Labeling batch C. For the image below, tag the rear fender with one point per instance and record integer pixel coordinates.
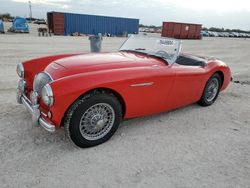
(219, 66)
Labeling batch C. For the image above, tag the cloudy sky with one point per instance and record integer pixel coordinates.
(233, 14)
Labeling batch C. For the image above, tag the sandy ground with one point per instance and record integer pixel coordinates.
(188, 147)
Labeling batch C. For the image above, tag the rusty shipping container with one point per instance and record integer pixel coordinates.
(181, 30)
(56, 22)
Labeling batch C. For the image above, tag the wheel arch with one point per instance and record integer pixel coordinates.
(100, 90)
(111, 92)
(221, 74)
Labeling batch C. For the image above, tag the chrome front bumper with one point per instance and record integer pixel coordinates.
(36, 113)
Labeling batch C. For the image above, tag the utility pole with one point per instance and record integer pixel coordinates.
(30, 10)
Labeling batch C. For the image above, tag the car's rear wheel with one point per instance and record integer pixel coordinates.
(93, 119)
(211, 90)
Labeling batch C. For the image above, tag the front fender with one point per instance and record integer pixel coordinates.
(67, 90)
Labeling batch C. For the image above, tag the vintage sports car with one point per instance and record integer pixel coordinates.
(90, 94)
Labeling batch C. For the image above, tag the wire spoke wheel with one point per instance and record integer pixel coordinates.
(212, 89)
(93, 119)
(97, 121)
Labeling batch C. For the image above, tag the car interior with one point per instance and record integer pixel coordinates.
(190, 61)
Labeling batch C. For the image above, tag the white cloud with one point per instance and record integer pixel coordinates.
(217, 5)
(59, 3)
(219, 13)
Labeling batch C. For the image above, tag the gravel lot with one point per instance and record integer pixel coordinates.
(188, 147)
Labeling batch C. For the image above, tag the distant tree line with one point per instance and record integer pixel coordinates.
(224, 30)
(150, 26)
(204, 28)
(6, 16)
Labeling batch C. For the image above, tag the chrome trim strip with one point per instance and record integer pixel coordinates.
(27, 103)
(54, 67)
(156, 66)
(22, 84)
(21, 69)
(47, 126)
(33, 98)
(44, 114)
(142, 84)
(178, 53)
(48, 75)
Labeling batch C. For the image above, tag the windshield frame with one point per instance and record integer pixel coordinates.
(141, 49)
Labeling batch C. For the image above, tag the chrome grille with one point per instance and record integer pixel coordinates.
(41, 79)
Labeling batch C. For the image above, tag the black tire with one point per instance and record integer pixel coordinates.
(80, 107)
(204, 101)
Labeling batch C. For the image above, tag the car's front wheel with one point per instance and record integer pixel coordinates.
(93, 119)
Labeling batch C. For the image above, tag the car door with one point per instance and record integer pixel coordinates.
(148, 94)
(188, 85)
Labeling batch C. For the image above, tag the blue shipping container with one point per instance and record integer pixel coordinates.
(91, 24)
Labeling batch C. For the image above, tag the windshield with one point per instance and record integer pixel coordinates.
(165, 48)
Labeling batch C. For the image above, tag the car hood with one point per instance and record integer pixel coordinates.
(99, 62)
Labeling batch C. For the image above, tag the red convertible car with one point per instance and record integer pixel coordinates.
(90, 94)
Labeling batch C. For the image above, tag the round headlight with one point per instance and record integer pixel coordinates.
(40, 80)
(47, 95)
(20, 70)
